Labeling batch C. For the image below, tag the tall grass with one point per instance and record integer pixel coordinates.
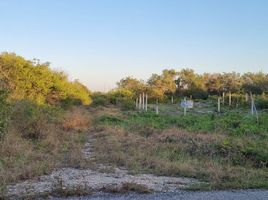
(40, 139)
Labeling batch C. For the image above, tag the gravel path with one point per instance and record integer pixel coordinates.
(182, 195)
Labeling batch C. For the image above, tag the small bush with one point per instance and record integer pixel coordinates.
(100, 99)
(69, 102)
(127, 105)
(31, 120)
(4, 112)
(262, 102)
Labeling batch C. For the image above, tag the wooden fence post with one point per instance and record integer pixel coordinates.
(156, 107)
(140, 103)
(252, 104)
(143, 101)
(219, 104)
(146, 101)
(230, 98)
(184, 109)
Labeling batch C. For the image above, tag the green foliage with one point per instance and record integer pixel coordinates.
(187, 82)
(4, 112)
(134, 85)
(100, 99)
(229, 123)
(123, 98)
(120, 94)
(37, 82)
(30, 119)
(262, 102)
(127, 105)
(110, 119)
(161, 85)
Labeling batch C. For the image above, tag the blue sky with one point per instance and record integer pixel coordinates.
(101, 41)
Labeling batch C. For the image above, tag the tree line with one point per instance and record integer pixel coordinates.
(37, 82)
(187, 82)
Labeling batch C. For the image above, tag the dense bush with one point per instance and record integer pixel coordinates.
(38, 83)
(127, 105)
(119, 95)
(262, 102)
(100, 99)
(4, 112)
(31, 121)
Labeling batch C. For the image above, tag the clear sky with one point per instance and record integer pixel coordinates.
(101, 41)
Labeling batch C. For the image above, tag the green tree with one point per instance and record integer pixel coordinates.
(132, 84)
(213, 83)
(191, 84)
(37, 82)
(256, 83)
(231, 82)
(4, 112)
(160, 86)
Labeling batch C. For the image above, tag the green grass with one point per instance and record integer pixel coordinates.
(228, 123)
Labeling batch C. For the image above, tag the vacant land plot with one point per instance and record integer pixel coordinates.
(227, 150)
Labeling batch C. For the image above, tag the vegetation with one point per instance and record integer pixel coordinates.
(43, 123)
(226, 150)
(44, 118)
(4, 112)
(41, 139)
(38, 83)
(198, 86)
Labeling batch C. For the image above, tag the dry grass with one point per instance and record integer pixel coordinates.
(77, 118)
(105, 110)
(22, 158)
(174, 152)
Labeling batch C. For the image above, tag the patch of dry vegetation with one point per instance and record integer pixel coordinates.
(77, 118)
(38, 142)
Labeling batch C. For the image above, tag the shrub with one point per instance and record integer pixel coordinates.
(38, 83)
(262, 102)
(31, 120)
(120, 95)
(4, 112)
(127, 105)
(100, 99)
(69, 102)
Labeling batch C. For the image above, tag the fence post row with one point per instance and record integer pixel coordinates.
(142, 102)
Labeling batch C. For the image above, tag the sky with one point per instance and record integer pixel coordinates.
(100, 42)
